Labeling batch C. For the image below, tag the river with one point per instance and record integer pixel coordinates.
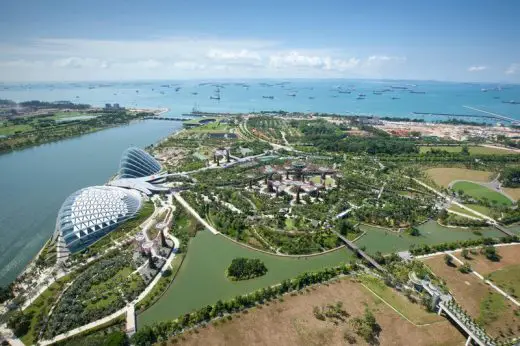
(34, 183)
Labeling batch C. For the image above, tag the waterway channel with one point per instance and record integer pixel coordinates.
(34, 182)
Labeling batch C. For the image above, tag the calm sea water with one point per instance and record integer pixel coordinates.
(311, 95)
(34, 182)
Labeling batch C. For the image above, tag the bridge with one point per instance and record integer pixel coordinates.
(504, 230)
(445, 303)
(360, 252)
(166, 118)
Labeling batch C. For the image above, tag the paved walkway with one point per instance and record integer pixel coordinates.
(194, 213)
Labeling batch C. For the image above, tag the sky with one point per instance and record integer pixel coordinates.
(73, 40)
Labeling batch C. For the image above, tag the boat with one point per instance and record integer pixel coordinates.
(377, 93)
(512, 102)
(417, 92)
(395, 98)
(360, 98)
(194, 93)
(177, 89)
(311, 97)
(291, 94)
(268, 97)
(344, 91)
(362, 95)
(398, 87)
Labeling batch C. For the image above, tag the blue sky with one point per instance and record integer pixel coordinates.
(462, 40)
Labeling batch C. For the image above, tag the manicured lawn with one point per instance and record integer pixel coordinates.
(479, 208)
(202, 278)
(474, 150)
(443, 176)
(377, 239)
(479, 192)
(508, 279)
(12, 129)
(413, 312)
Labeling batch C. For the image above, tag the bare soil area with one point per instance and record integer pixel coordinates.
(444, 176)
(496, 313)
(479, 263)
(292, 322)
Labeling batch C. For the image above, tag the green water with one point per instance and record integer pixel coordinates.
(377, 239)
(202, 279)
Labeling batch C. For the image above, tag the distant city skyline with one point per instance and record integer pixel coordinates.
(58, 40)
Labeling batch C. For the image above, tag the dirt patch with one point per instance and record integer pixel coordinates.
(513, 193)
(444, 176)
(510, 255)
(495, 312)
(292, 322)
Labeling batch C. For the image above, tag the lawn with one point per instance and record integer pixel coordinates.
(508, 278)
(479, 208)
(202, 278)
(473, 150)
(443, 176)
(377, 239)
(480, 192)
(11, 129)
(414, 312)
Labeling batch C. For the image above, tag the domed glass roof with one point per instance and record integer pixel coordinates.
(137, 163)
(92, 212)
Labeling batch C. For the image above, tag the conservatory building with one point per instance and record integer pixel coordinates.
(92, 212)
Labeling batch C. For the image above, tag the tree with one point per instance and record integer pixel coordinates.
(163, 239)
(465, 253)
(19, 323)
(465, 150)
(415, 232)
(465, 268)
(491, 253)
(448, 260)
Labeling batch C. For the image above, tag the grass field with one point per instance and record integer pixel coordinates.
(479, 192)
(508, 279)
(473, 150)
(443, 176)
(414, 312)
(496, 313)
(377, 239)
(292, 322)
(480, 208)
(202, 278)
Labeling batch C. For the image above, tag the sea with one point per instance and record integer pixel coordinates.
(34, 182)
(390, 98)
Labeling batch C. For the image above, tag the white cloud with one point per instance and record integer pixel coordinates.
(513, 68)
(180, 57)
(243, 54)
(476, 68)
(298, 60)
(382, 58)
(75, 62)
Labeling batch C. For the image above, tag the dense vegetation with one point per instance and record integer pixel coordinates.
(246, 268)
(44, 129)
(510, 177)
(98, 291)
